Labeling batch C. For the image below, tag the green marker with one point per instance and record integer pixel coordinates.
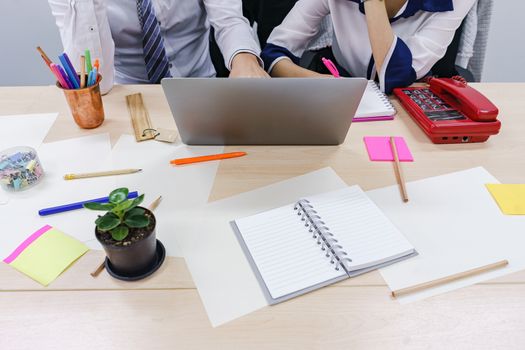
(89, 67)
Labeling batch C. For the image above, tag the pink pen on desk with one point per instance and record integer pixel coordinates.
(331, 67)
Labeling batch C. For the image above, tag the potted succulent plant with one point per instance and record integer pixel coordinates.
(127, 234)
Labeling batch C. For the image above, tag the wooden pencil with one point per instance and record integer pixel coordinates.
(82, 71)
(450, 278)
(99, 269)
(398, 170)
(101, 173)
(44, 56)
(155, 204)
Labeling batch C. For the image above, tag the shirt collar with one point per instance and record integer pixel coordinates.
(413, 6)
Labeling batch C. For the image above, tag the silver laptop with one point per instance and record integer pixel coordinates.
(302, 111)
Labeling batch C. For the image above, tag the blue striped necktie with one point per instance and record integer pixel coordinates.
(157, 65)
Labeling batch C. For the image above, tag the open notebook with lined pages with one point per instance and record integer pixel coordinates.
(318, 241)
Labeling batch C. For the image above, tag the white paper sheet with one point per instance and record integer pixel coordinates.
(23, 130)
(181, 187)
(20, 216)
(226, 283)
(455, 225)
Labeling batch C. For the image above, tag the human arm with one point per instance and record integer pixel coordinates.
(289, 40)
(235, 38)
(247, 65)
(400, 62)
(83, 24)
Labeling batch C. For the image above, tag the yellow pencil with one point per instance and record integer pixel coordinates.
(101, 173)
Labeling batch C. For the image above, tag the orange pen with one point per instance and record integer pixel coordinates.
(97, 64)
(191, 160)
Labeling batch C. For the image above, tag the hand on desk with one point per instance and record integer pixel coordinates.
(246, 65)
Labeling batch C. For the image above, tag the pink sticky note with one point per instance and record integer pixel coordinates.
(379, 149)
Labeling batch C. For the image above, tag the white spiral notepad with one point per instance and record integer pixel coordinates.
(318, 241)
(374, 105)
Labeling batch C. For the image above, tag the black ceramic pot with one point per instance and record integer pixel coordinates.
(135, 258)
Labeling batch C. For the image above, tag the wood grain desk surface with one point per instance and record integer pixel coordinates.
(165, 311)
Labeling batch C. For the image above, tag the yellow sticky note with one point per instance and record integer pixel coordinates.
(510, 198)
(46, 254)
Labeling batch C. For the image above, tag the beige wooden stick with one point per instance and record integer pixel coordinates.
(450, 278)
(82, 72)
(399, 172)
(101, 267)
(101, 173)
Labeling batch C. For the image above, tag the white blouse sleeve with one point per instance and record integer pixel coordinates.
(232, 30)
(413, 58)
(291, 38)
(83, 24)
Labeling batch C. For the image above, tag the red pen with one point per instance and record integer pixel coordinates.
(331, 67)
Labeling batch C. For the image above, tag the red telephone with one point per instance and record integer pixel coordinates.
(450, 111)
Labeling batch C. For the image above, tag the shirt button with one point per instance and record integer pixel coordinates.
(171, 65)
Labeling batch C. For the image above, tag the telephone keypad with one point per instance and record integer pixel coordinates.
(434, 107)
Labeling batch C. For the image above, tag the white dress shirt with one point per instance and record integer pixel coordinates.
(423, 30)
(110, 29)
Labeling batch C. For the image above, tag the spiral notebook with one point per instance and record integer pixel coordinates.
(374, 105)
(318, 241)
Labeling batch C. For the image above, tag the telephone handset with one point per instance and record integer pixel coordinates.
(450, 111)
(466, 99)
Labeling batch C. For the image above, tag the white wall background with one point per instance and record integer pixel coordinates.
(505, 57)
(25, 24)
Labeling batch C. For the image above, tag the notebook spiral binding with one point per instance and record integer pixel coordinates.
(322, 234)
(384, 98)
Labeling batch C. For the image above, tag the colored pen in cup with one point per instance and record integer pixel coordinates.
(331, 67)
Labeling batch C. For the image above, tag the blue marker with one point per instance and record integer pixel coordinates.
(90, 77)
(70, 70)
(79, 205)
(95, 76)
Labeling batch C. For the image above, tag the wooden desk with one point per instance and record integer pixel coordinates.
(165, 312)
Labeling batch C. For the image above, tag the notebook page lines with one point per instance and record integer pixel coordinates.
(285, 253)
(365, 233)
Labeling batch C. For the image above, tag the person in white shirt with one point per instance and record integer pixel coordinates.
(393, 41)
(142, 41)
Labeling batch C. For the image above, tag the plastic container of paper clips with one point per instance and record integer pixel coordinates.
(20, 169)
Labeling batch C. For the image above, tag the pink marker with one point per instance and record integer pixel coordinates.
(57, 74)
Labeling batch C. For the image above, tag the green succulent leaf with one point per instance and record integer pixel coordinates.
(101, 216)
(119, 233)
(119, 195)
(122, 207)
(99, 206)
(136, 201)
(137, 221)
(107, 222)
(135, 211)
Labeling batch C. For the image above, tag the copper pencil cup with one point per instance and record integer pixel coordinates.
(85, 105)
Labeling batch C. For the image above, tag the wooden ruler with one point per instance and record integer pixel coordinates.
(140, 118)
